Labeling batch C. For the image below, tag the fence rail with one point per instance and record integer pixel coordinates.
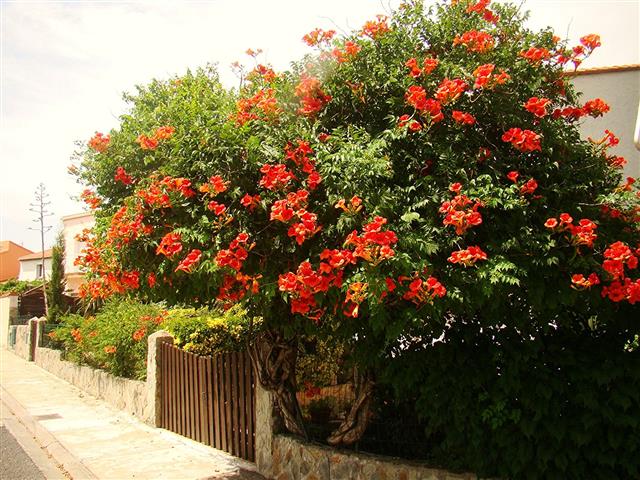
(209, 399)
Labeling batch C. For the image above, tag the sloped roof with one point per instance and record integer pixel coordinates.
(613, 68)
(36, 255)
(6, 244)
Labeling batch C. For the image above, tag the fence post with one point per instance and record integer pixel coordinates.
(265, 427)
(33, 338)
(154, 394)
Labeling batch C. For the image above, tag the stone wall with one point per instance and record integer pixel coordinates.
(8, 311)
(283, 457)
(23, 341)
(122, 393)
(297, 460)
(137, 398)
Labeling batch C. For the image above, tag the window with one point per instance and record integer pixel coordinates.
(39, 270)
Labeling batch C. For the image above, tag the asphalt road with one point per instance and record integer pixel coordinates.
(15, 464)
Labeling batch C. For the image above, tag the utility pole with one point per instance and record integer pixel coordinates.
(39, 207)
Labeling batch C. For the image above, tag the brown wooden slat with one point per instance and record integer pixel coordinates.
(250, 390)
(234, 404)
(186, 410)
(215, 400)
(230, 404)
(226, 386)
(222, 423)
(164, 384)
(192, 398)
(209, 382)
(198, 399)
(204, 414)
(195, 421)
(170, 385)
(175, 393)
(242, 407)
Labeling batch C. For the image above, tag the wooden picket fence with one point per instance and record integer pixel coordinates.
(209, 399)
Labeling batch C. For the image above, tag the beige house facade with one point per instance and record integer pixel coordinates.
(72, 226)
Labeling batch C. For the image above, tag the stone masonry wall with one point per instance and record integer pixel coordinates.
(296, 460)
(128, 395)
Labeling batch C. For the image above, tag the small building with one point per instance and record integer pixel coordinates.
(72, 226)
(31, 266)
(10, 254)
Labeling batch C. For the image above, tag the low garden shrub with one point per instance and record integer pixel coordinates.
(115, 339)
(207, 331)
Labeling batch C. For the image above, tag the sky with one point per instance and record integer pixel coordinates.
(65, 64)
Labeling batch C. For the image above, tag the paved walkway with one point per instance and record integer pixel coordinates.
(90, 439)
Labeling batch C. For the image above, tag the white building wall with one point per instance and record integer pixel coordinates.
(29, 269)
(621, 90)
(73, 225)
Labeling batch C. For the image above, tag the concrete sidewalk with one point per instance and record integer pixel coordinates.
(89, 439)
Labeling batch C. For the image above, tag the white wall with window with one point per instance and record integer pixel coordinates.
(31, 269)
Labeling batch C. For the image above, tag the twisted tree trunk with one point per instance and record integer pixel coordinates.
(274, 360)
(355, 423)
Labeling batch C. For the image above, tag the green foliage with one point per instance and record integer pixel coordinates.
(209, 332)
(115, 339)
(561, 404)
(16, 287)
(56, 284)
(320, 362)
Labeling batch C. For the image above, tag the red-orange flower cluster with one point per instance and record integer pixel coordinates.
(349, 51)
(475, 41)
(480, 7)
(250, 202)
(100, 142)
(416, 96)
(263, 104)
(450, 90)
(318, 36)
(535, 55)
(484, 77)
(122, 176)
(579, 282)
(581, 234)
(236, 254)
(468, 256)
(374, 245)
(424, 291)
(275, 177)
(152, 142)
(463, 118)
(537, 106)
(523, 140)
(90, 198)
(187, 263)
(374, 28)
(312, 97)
(235, 287)
(170, 245)
(461, 213)
(428, 65)
(355, 205)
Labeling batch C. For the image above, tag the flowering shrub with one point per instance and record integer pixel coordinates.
(209, 332)
(447, 140)
(115, 339)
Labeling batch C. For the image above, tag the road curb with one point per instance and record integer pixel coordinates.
(49, 442)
